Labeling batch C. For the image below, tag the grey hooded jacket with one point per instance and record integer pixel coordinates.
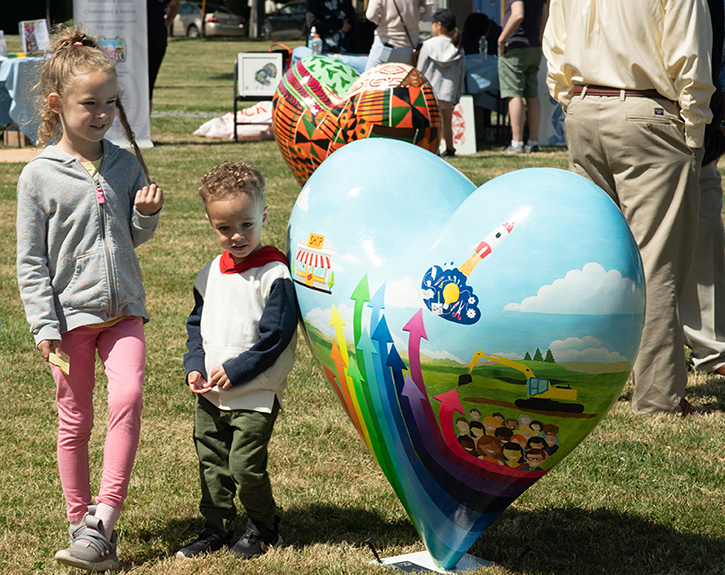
(444, 66)
(76, 260)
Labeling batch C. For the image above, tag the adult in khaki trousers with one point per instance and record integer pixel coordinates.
(636, 101)
(702, 305)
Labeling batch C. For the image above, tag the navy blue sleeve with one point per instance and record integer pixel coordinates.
(194, 358)
(277, 326)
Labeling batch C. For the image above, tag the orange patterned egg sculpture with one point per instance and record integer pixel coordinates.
(322, 104)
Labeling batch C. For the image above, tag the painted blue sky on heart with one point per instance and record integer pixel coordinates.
(566, 278)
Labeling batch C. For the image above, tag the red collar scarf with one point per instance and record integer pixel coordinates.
(256, 260)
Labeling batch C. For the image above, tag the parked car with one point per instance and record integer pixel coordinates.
(289, 20)
(218, 21)
(188, 21)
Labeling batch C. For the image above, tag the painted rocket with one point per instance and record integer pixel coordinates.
(486, 247)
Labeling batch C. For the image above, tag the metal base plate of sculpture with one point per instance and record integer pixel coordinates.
(473, 336)
(322, 104)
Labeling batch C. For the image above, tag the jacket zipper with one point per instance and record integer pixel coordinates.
(109, 262)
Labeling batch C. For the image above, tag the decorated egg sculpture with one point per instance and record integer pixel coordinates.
(473, 336)
(322, 104)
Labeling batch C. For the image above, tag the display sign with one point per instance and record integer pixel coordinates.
(121, 27)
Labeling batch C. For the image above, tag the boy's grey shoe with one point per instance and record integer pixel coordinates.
(257, 540)
(91, 549)
(531, 149)
(208, 540)
(512, 151)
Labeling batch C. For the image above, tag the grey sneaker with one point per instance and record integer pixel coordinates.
(91, 549)
(511, 151)
(74, 533)
(208, 540)
(531, 149)
(257, 541)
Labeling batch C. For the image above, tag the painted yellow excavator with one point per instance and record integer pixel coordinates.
(542, 395)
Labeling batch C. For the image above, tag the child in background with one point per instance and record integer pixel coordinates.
(442, 62)
(242, 336)
(82, 209)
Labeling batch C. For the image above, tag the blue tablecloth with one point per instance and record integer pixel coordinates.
(355, 61)
(17, 98)
(482, 80)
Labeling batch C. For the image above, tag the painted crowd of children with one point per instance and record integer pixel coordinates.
(522, 443)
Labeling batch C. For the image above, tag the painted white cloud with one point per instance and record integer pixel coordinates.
(512, 355)
(439, 355)
(583, 349)
(368, 247)
(402, 293)
(320, 318)
(589, 291)
(303, 200)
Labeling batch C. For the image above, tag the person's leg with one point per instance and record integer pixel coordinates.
(122, 349)
(511, 87)
(645, 166)
(702, 305)
(375, 56)
(517, 114)
(402, 55)
(657, 182)
(248, 463)
(446, 109)
(533, 115)
(74, 396)
(154, 64)
(531, 62)
(213, 439)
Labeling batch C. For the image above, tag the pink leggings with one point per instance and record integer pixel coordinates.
(122, 349)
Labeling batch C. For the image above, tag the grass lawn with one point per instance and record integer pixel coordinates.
(638, 496)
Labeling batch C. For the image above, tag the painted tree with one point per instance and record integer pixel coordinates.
(538, 356)
(527, 357)
(549, 357)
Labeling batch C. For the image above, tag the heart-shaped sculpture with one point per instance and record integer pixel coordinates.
(473, 336)
(322, 104)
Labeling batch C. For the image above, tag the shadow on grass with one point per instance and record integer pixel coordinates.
(549, 541)
(577, 541)
(301, 526)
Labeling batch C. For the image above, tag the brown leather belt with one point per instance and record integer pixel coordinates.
(606, 91)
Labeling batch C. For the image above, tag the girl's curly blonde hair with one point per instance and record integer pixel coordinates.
(72, 54)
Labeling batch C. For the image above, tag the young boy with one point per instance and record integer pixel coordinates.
(242, 336)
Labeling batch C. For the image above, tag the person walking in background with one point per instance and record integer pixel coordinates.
(159, 16)
(476, 27)
(702, 312)
(80, 281)
(636, 102)
(242, 337)
(519, 57)
(333, 20)
(442, 62)
(396, 34)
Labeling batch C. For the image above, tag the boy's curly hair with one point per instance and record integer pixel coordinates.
(231, 179)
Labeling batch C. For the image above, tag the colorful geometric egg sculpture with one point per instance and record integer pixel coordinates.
(322, 104)
(473, 336)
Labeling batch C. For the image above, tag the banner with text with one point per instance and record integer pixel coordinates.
(120, 25)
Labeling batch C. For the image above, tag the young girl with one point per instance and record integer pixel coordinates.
(442, 62)
(82, 209)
